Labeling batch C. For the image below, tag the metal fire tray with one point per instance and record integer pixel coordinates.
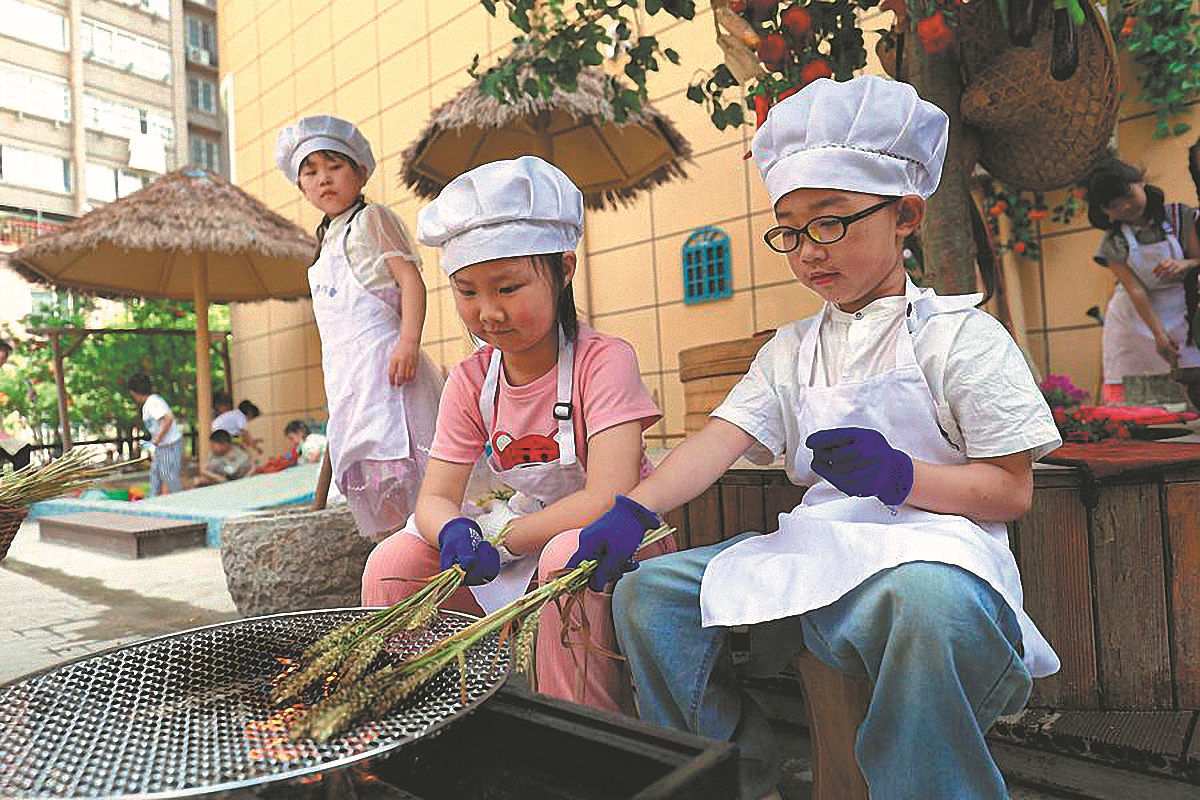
(190, 713)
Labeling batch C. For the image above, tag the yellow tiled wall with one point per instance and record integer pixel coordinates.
(386, 64)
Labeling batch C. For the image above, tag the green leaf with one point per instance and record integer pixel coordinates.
(653, 6)
(695, 93)
(1181, 128)
(490, 6)
(671, 55)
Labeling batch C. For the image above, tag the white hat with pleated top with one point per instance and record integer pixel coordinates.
(504, 209)
(870, 135)
(310, 134)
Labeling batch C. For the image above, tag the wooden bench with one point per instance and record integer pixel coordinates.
(124, 535)
(837, 705)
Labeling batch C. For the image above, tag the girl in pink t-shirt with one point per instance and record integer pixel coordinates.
(547, 406)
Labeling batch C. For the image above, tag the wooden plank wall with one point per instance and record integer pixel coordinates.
(1181, 513)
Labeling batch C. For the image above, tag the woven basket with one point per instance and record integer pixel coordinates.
(10, 523)
(1038, 133)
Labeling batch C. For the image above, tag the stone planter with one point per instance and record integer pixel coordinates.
(294, 560)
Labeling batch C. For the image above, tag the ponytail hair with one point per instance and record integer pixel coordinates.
(564, 295)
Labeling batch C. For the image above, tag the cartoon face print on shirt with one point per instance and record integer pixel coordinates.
(531, 448)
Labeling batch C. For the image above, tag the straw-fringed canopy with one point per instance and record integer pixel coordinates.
(150, 243)
(611, 163)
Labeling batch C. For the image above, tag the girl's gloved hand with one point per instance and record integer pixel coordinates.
(612, 540)
(861, 463)
(462, 543)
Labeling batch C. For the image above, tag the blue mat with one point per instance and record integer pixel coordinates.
(212, 505)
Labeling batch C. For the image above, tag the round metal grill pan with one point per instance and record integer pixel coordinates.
(190, 713)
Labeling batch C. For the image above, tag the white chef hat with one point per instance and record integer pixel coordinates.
(311, 134)
(522, 207)
(869, 135)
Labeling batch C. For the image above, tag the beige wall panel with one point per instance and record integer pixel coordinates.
(403, 73)
(400, 25)
(609, 229)
(715, 191)
(640, 329)
(251, 319)
(276, 65)
(1077, 353)
(314, 392)
(253, 359)
(451, 324)
(1073, 281)
(314, 33)
(622, 279)
(279, 105)
(350, 15)
(447, 87)
(287, 350)
(275, 25)
(655, 433)
(358, 100)
(452, 47)
(247, 85)
(314, 78)
(689, 326)
(776, 306)
(1031, 292)
(1164, 160)
(696, 44)
(401, 123)
(355, 54)
(286, 397)
(236, 15)
(693, 123)
(672, 404)
(312, 340)
(443, 11)
(285, 314)
(256, 388)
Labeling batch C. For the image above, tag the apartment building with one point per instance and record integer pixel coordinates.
(97, 97)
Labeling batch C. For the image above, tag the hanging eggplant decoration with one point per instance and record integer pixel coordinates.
(1064, 55)
(1022, 21)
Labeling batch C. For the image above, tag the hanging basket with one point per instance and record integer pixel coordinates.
(10, 523)
(1038, 133)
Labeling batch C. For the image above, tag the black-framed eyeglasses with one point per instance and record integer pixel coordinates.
(825, 229)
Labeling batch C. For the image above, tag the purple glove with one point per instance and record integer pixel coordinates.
(462, 543)
(861, 463)
(612, 540)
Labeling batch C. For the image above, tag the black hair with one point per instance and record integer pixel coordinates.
(249, 409)
(5, 346)
(223, 399)
(296, 426)
(1194, 166)
(564, 295)
(358, 205)
(140, 384)
(1111, 181)
(220, 437)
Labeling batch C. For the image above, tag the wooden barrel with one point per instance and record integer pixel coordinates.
(709, 371)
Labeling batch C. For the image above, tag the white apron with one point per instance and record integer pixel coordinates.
(831, 543)
(537, 484)
(1128, 343)
(358, 331)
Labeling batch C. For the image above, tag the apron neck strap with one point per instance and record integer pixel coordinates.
(564, 409)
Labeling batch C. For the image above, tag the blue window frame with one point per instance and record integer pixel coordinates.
(706, 266)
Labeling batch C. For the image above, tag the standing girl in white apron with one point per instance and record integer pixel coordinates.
(369, 301)
(1149, 246)
(914, 420)
(556, 410)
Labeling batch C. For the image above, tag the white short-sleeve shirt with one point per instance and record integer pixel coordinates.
(232, 422)
(988, 404)
(376, 235)
(154, 411)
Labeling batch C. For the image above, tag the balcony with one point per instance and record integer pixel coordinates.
(18, 230)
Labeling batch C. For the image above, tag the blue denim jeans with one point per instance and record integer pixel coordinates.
(941, 647)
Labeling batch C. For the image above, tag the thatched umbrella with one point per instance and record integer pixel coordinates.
(610, 162)
(190, 235)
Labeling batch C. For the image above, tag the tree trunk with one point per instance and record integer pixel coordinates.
(946, 233)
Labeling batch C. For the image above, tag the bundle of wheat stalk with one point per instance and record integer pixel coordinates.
(375, 694)
(349, 650)
(74, 470)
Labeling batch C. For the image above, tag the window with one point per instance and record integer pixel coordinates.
(201, 41)
(35, 169)
(130, 182)
(160, 8)
(126, 51)
(118, 119)
(206, 154)
(706, 266)
(34, 93)
(202, 95)
(101, 183)
(33, 23)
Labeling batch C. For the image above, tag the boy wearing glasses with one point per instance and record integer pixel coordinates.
(913, 418)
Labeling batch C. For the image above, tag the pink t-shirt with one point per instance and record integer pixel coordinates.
(607, 391)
